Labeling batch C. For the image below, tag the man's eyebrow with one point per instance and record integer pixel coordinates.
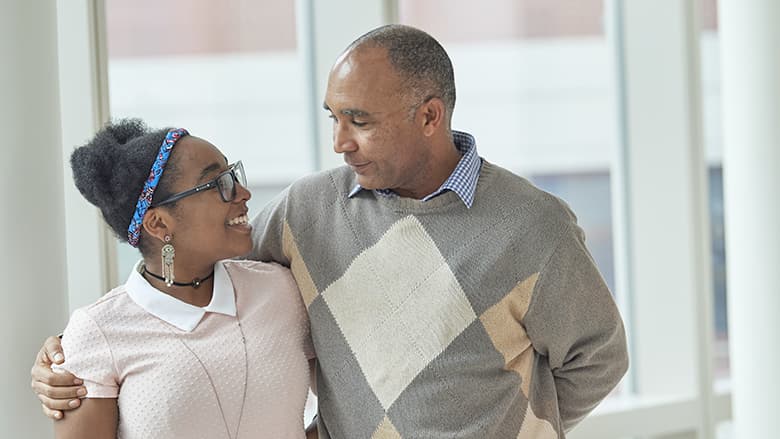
(355, 112)
(352, 112)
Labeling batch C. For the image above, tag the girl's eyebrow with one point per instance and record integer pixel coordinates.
(209, 169)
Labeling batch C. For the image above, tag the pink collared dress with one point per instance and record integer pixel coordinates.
(237, 368)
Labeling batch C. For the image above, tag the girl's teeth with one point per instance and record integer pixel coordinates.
(243, 219)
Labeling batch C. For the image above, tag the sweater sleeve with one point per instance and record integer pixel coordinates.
(574, 322)
(268, 232)
(88, 356)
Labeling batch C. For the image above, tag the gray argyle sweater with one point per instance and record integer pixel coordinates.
(433, 320)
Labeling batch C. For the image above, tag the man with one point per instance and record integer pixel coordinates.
(447, 296)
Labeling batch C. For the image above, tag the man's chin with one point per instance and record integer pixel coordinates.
(366, 183)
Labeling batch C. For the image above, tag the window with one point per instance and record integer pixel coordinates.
(228, 72)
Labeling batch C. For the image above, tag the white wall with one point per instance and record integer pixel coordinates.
(32, 264)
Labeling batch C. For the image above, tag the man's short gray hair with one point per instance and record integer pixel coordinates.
(420, 60)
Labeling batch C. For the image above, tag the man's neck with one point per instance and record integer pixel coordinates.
(445, 164)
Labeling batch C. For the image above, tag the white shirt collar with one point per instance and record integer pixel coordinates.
(172, 310)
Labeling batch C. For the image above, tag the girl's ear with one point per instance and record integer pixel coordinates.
(158, 223)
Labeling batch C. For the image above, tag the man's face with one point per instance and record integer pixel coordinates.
(375, 123)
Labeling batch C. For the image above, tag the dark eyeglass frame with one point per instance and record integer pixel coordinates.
(236, 171)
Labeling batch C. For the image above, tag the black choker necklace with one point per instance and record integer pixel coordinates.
(194, 284)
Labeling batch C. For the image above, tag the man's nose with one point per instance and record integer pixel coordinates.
(343, 141)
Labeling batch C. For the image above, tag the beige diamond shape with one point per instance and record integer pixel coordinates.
(386, 430)
(298, 267)
(502, 323)
(399, 306)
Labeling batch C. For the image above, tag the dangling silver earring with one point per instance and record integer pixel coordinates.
(167, 254)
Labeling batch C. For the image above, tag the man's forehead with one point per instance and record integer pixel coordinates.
(358, 98)
(363, 83)
(361, 63)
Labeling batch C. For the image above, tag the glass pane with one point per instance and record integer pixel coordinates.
(469, 21)
(588, 195)
(227, 71)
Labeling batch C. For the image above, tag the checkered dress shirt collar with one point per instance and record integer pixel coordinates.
(462, 181)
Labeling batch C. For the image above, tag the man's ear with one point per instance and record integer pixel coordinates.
(433, 113)
(157, 223)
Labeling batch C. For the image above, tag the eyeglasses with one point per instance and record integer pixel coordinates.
(225, 183)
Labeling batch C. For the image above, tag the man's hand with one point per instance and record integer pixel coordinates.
(57, 391)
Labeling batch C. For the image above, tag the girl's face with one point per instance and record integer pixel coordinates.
(205, 228)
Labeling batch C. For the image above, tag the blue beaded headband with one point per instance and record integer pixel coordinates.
(145, 199)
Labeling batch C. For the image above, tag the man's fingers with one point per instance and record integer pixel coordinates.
(57, 391)
(67, 393)
(59, 404)
(45, 375)
(53, 414)
(53, 349)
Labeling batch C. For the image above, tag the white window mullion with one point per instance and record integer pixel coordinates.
(666, 204)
